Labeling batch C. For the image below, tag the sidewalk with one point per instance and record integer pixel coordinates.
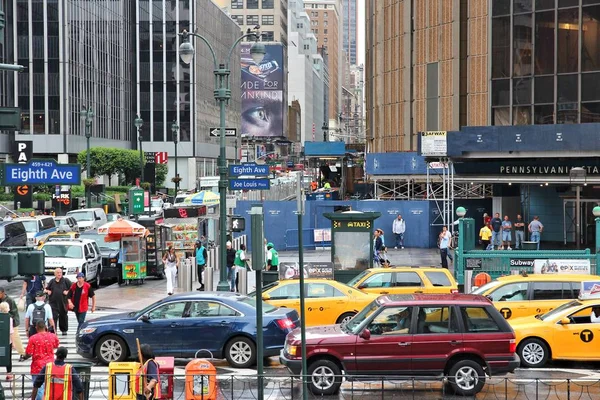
(135, 297)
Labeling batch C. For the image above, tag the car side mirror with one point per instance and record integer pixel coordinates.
(39, 243)
(565, 321)
(90, 256)
(145, 318)
(362, 286)
(98, 219)
(365, 334)
(266, 297)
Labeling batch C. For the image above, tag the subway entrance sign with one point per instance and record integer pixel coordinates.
(41, 172)
(136, 200)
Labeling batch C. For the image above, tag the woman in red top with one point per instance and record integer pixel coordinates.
(78, 295)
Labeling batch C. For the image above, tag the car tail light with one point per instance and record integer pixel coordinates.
(285, 323)
(453, 291)
(512, 347)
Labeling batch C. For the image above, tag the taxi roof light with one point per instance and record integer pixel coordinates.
(590, 290)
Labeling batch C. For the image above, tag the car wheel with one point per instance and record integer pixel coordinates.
(345, 317)
(325, 377)
(111, 348)
(240, 352)
(96, 283)
(467, 378)
(533, 353)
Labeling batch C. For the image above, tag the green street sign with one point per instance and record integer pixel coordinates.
(136, 200)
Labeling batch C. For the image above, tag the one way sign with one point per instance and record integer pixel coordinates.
(214, 132)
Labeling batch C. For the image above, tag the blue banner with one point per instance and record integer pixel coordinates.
(42, 172)
(249, 184)
(249, 169)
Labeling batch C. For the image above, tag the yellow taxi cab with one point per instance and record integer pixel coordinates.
(568, 332)
(523, 295)
(58, 235)
(405, 280)
(326, 301)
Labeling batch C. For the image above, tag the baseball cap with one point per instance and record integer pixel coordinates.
(270, 244)
(41, 293)
(80, 275)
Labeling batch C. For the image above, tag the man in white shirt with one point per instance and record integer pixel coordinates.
(444, 240)
(37, 311)
(595, 316)
(398, 228)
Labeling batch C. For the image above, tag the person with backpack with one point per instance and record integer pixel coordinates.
(36, 312)
(272, 258)
(32, 286)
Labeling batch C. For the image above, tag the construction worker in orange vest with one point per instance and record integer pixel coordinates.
(58, 379)
(147, 383)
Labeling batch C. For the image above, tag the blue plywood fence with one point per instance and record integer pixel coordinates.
(281, 226)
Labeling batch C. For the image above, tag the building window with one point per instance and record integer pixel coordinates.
(522, 44)
(325, 40)
(268, 4)
(544, 42)
(590, 40)
(325, 31)
(501, 47)
(325, 14)
(239, 19)
(268, 20)
(252, 20)
(237, 4)
(567, 53)
(325, 23)
(315, 31)
(252, 4)
(268, 36)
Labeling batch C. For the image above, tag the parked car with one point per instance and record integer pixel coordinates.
(12, 234)
(223, 323)
(532, 294)
(326, 301)
(38, 228)
(59, 236)
(459, 336)
(405, 280)
(74, 256)
(88, 218)
(111, 267)
(564, 333)
(66, 223)
(113, 217)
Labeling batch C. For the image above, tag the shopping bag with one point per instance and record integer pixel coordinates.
(21, 305)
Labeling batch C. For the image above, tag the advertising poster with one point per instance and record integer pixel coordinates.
(561, 266)
(291, 270)
(263, 92)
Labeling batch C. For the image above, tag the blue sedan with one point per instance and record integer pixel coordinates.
(180, 325)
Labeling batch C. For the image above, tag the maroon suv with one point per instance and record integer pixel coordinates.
(456, 335)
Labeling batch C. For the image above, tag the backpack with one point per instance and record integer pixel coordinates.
(38, 314)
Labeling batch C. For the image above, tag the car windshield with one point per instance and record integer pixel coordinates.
(354, 323)
(264, 288)
(62, 251)
(113, 217)
(488, 286)
(156, 203)
(30, 226)
(558, 310)
(251, 301)
(2, 236)
(82, 215)
(60, 222)
(358, 277)
(100, 241)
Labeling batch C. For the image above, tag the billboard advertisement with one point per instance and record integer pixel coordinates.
(263, 103)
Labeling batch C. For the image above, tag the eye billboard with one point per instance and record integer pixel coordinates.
(263, 102)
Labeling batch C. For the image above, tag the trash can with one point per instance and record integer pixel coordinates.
(184, 275)
(209, 279)
(84, 369)
(269, 277)
(243, 280)
(529, 245)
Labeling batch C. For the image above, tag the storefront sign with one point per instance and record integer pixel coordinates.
(433, 143)
(184, 212)
(521, 262)
(352, 225)
(530, 167)
(291, 270)
(561, 266)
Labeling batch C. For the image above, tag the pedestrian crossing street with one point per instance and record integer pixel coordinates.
(22, 384)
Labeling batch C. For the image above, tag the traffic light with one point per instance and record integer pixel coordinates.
(237, 223)
(31, 262)
(8, 265)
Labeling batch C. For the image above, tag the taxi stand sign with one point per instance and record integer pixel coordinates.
(590, 290)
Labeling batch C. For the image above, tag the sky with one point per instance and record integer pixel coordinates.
(360, 46)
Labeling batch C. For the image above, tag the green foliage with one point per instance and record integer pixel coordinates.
(145, 185)
(6, 196)
(89, 182)
(117, 189)
(129, 165)
(161, 174)
(42, 196)
(111, 161)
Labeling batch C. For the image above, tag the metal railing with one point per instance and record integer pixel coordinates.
(230, 387)
(284, 191)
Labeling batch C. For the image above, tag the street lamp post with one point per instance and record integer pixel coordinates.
(138, 122)
(222, 95)
(325, 128)
(86, 115)
(175, 130)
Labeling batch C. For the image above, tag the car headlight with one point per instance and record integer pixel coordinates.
(291, 350)
(87, 331)
(71, 270)
(113, 265)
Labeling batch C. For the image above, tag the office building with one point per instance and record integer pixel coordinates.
(166, 87)
(326, 23)
(349, 28)
(77, 54)
(271, 15)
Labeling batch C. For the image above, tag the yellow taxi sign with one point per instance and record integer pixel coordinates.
(589, 290)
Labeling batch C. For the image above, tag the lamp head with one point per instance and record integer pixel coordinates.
(175, 130)
(86, 113)
(461, 212)
(596, 211)
(257, 52)
(138, 122)
(186, 51)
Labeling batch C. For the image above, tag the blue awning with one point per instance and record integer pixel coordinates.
(324, 149)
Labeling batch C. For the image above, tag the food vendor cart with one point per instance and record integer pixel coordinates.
(180, 229)
(132, 237)
(154, 264)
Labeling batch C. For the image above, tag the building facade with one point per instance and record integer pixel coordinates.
(166, 87)
(349, 27)
(479, 63)
(77, 54)
(271, 15)
(326, 25)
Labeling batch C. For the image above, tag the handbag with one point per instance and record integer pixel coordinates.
(21, 305)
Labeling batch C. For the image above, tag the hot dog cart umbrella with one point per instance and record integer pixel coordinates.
(133, 247)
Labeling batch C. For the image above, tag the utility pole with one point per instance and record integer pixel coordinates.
(300, 214)
(257, 235)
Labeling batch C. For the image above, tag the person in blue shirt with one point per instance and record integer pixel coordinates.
(31, 286)
(444, 240)
(201, 258)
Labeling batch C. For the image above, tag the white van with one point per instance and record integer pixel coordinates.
(88, 218)
(38, 228)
